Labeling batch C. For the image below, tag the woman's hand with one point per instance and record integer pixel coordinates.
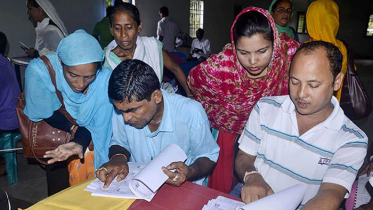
(30, 52)
(63, 152)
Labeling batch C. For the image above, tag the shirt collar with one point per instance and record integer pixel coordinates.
(42, 24)
(334, 121)
(166, 123)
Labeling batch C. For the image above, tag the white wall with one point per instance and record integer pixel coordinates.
(75, 14)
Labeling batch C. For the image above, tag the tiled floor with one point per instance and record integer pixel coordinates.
(32, 186)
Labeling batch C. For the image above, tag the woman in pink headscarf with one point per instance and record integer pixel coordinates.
(228, 84)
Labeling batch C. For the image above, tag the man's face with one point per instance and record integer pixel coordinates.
(311, 83)
(139, 113)
(199, 35)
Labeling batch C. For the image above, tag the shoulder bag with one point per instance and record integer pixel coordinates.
(40, 137)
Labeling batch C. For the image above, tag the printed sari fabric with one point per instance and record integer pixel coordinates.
(322, 24)
(225, 88)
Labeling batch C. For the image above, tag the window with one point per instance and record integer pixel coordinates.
(301, 24)
(196, 16)
(111, 2)
(370, 26)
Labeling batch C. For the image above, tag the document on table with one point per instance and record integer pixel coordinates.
(362, 195)
(142, 182)
(287, 199)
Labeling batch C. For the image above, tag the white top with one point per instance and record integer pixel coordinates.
(332, 151)
(169, 30)
(204, 45)
(47, 37)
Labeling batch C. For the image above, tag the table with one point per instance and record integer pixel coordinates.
(18, 62)
(189, 196)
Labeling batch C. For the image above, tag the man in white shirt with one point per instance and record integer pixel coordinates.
(200, 48)
(304, 137)
(167, 30)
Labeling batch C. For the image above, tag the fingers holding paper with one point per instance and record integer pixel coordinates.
(63, 152)
(177, 173)
(108, 171)
(255, 188)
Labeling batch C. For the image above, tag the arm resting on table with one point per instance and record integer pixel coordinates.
(328, 197)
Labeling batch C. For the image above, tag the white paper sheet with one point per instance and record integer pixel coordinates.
(146, 183)
(362, 195)
(222, 203)
(143, 181)
(287, 199)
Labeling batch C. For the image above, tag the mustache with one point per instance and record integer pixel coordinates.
(300, 100)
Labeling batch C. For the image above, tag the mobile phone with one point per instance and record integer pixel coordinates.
(23, 46)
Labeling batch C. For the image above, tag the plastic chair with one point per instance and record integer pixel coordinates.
(8, 141)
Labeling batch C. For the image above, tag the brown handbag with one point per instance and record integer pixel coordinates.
(39, 137)
(355, 101)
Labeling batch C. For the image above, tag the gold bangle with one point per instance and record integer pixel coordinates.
(72, 127)
(120, 155)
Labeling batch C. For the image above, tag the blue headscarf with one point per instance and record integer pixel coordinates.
(92, 110)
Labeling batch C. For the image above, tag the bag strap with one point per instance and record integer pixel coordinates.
(62, 109)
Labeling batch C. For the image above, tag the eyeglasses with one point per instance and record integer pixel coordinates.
(282, 10)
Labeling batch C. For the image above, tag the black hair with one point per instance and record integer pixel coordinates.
(164, 11)
(3, 43)
(333, 54)
(130, 8)
(251, 23)
(109, 11)
(274, 6)
(133, 80)
(33, 3)
(201, 30)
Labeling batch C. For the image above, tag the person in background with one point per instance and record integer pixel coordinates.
(167, 30)
(255, 64)
(304, 137)
(49, 27)
(102, 29)
(83, 83)
(200, 48)
(148, 119)
(125, 25)
(282, 11)
(322, 20)
(9, 91)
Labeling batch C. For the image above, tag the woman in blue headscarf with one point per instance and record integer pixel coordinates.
(282, 11)
(83, 83)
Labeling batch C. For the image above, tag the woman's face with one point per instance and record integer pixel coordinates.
(254, 53)
(282, 13)
(125, 29)
(34, 14)
(80, 76)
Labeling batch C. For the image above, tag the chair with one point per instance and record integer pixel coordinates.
(8, 141)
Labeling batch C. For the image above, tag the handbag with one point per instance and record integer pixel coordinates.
(40, 137)
(355, 101)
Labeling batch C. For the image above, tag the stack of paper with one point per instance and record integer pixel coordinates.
(222, 203)
(142, 182)
(287, 199)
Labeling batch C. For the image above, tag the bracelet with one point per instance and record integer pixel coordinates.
(249, 173)
(120, 155)
(72, 127)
